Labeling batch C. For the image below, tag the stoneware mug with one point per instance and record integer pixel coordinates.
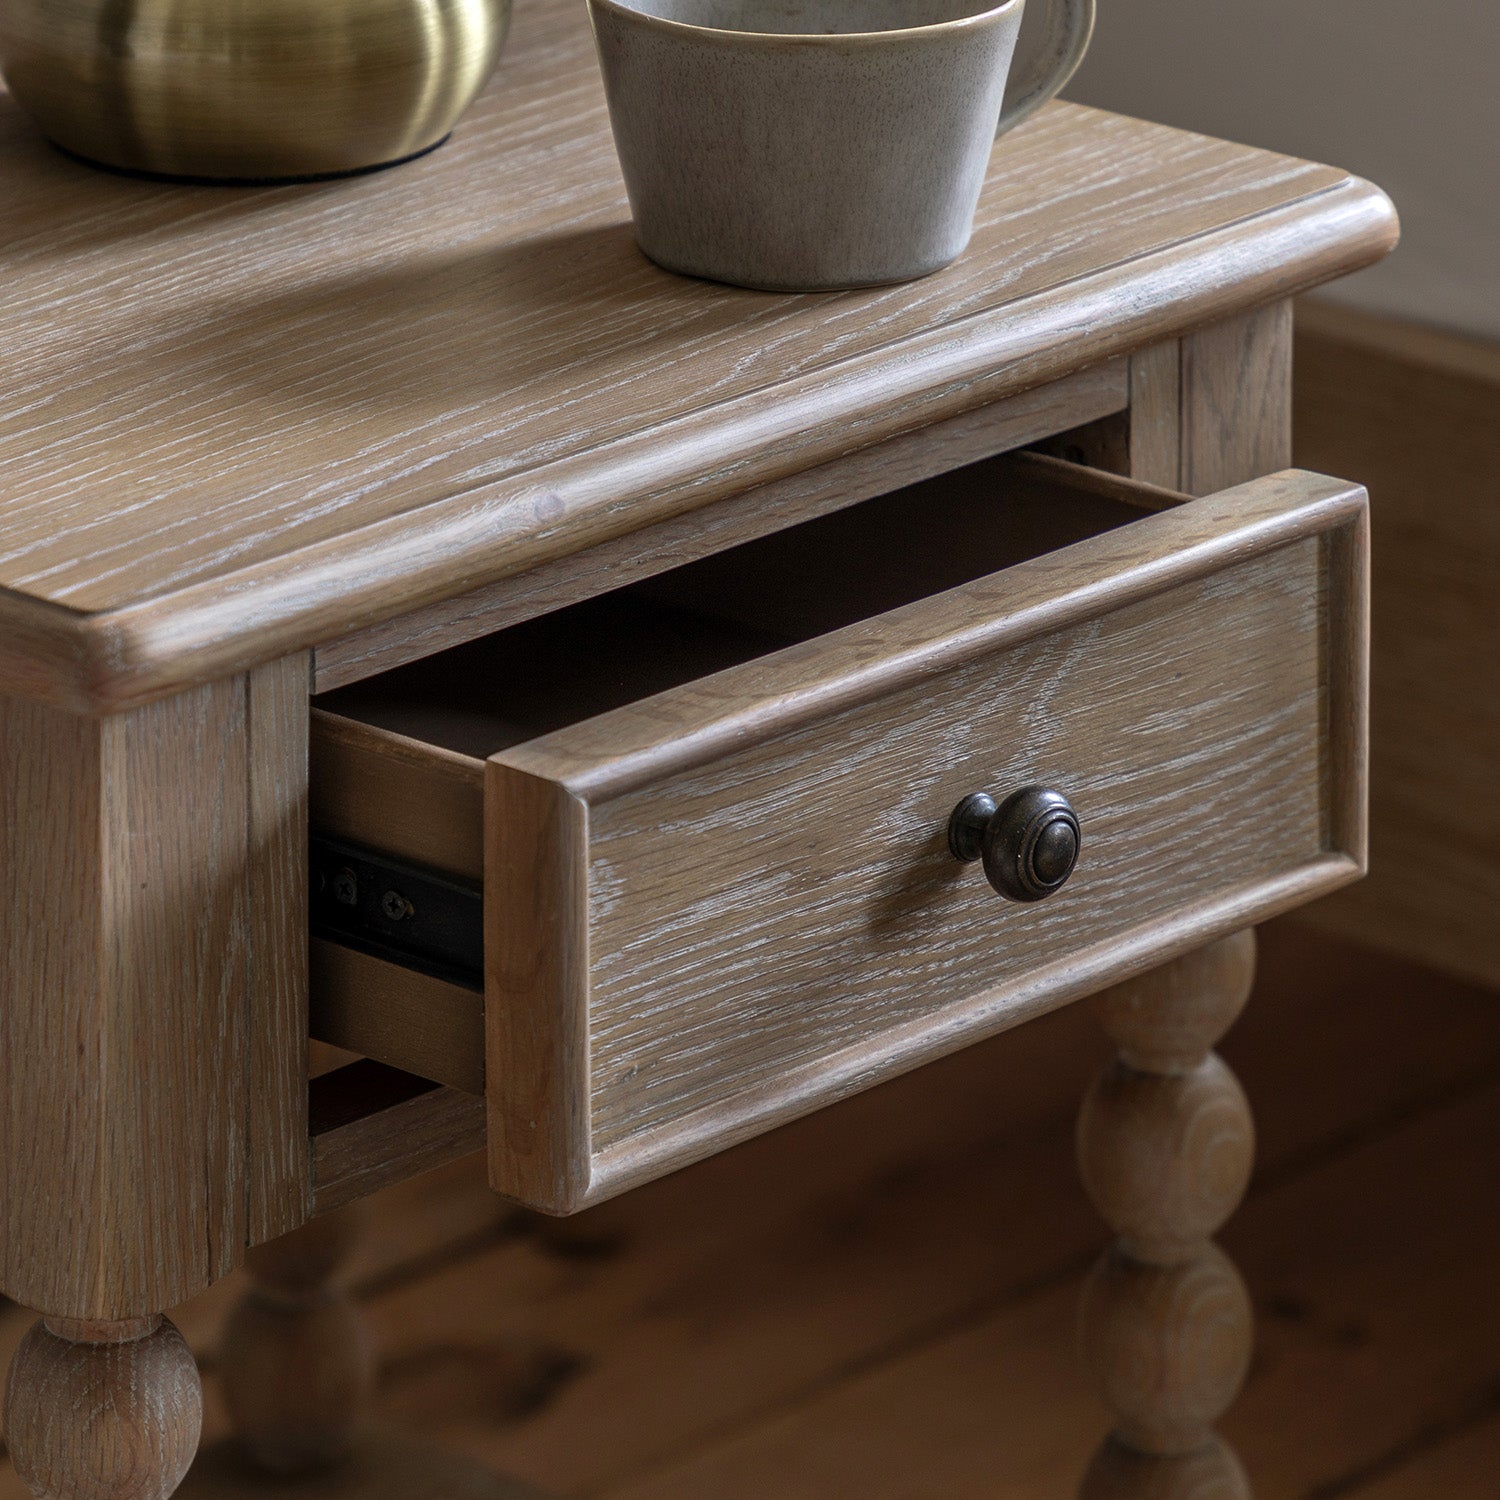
(809, 145)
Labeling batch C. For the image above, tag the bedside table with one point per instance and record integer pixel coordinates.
(629, 644)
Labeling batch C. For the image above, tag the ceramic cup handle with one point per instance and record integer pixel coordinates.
(1070, 25)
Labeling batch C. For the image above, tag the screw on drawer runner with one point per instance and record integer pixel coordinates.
(397, 911)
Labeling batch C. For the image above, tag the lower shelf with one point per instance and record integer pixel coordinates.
(374, 1126)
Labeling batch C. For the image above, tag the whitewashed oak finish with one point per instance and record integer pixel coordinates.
(1165, 1139)
(152, 1040)
(1165, 1146)
(279, 1177)
(427, 1026)
(1208, 411)
(374, 1126)
(1091, 394)
(1173, 676)
(103, 1410)
(153, 1053)
(236, 426)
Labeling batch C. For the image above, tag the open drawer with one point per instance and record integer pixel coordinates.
(710, 813)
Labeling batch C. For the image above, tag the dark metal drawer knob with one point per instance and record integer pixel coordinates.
(1029, 843)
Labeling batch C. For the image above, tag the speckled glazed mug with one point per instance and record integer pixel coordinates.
(809, 145)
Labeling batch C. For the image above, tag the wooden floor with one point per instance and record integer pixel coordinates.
(877, 1302)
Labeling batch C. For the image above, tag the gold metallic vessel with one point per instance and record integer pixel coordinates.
(248, 89)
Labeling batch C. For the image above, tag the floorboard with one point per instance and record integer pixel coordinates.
(1451, 1463)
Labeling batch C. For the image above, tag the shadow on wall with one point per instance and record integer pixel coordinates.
(1402, 93)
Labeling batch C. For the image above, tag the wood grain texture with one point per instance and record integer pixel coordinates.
(278, 1180)
(617, 752)
(1236, 394)
(1420, 412)
(501, 529)
(239, 425)
(1166, 1158)
(538, 957)
(1156, 416)
(1143, 441)
(822, 929)
(1347, 556)
(835, 863)
(374, 1126)
(103, 1412)
(1386, 1230)
(1168, 1346)
(397, 1016)
(626, 752)
(123, 1131)
(996, 428)
(411, 799)
(1165, 1021)
(155, 1047)
(1164, 1149)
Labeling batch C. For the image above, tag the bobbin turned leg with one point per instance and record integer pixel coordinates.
(296, 1356)
(103, 1411)
(1165, 1145)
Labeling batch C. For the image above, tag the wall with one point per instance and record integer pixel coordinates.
(1404, 92)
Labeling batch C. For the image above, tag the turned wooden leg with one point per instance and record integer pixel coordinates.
(103, 1411)
(1165, 1145)
(296, 1357)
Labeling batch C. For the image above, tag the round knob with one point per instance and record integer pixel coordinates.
(1029, 843)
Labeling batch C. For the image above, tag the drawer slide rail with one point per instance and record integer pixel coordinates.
(400, 912)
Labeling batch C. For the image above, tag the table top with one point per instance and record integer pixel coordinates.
(237, 422)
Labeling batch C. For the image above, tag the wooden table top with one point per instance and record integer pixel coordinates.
(235, 423)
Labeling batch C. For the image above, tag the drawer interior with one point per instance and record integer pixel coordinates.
(794, 585)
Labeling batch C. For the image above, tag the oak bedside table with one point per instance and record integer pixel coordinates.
(697, 702)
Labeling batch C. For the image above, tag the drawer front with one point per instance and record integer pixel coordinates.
(733, 902)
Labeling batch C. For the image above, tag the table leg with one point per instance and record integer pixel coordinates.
(103, 1410)
(153, 1044)
(296, 1357)
(1165, 1145)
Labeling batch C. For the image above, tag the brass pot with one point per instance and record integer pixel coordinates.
(248, 89)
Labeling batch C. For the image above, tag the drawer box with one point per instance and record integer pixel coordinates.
(710, 812)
